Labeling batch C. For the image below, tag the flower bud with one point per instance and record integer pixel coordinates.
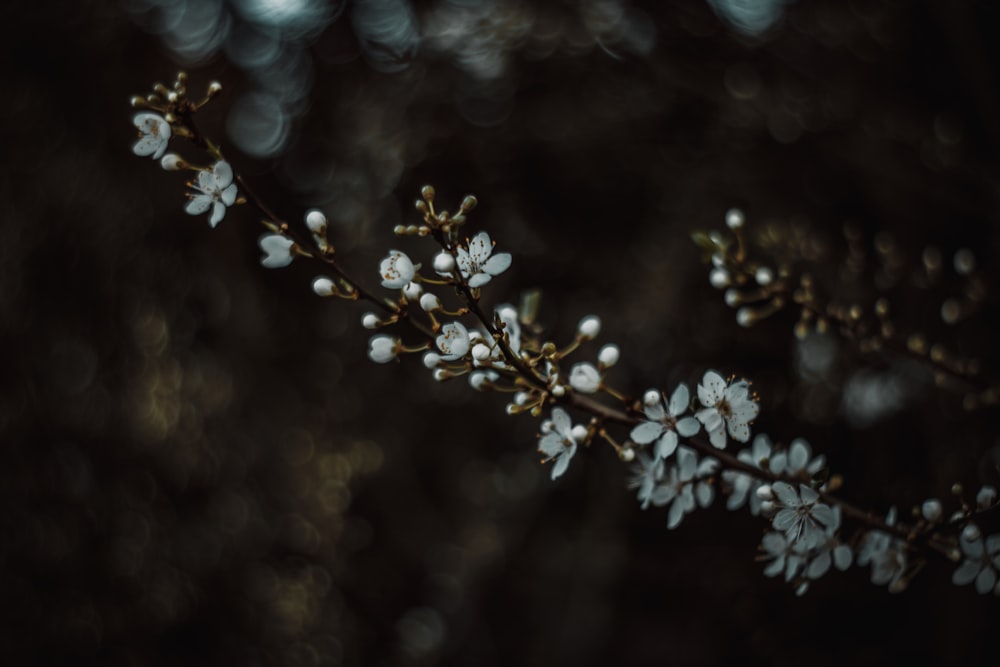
(323, 286)
(412, 291)
(718, 277)
(734, 218)
(444, 263)
(369, 321)
(382, 348)
(986, 497)
(172, 162)
(608, 355)
(480, 352)
(651, 398)
(579, 432)
(429, 302)
(931, 509)
(971, 533)
(764, 492)
(764, 276)
(431, 359)
(589, 327)
(627, 454)
(316, 221)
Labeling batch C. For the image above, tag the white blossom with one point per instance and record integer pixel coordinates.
(382, 348)
(646, 473)
(585, 378)
(397, 270)
(453, 341)
(800, 514)
(278, 250)
(744, 486)
(685, 485)
(887, 555)
(986, 497)
(982, 560)
(558, 442)
(726, 408)
(786, 556)
(216, 191)
(478, 264)
(664, 424)
(154, 135)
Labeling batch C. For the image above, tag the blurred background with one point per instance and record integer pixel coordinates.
(200, 465)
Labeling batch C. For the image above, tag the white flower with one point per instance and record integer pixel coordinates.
(585, 378)
(645, 474)
(801, 516)
(982, 560)
(663, 425)
(830, 551)
(785, 556)
(397, 270)
(685, 486)
(797, 460)
(453, 341)
(217, 192)
(887, 555)
(744, 486)
(986, 497)
(477, 265)
(278, 250)
(558, 442)
(154, 135)
(382, 348)
(726, 407)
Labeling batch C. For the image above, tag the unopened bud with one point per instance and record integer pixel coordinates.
(316, 221)
(172, 162)
(323, 286)
(589, 327)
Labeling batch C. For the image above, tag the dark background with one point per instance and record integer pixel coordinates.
(200, 466)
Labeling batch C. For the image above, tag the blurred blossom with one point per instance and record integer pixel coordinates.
(258, 124)
(294, 18)
(619, 27)
(288, 78)
(251, 47)
(870, 397)
(751, 17)
(387, 31)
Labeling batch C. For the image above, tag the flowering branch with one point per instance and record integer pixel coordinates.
(677, 445)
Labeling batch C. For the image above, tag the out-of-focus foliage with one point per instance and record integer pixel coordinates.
(200, 465)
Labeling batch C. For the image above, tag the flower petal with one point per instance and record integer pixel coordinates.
(966, 573)
(712, 389)
(666, 445)
(480, 248)
(688, 426)
(497, 264)
(986, 580)
(198, 204)
(647, 432)
(679, 400)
